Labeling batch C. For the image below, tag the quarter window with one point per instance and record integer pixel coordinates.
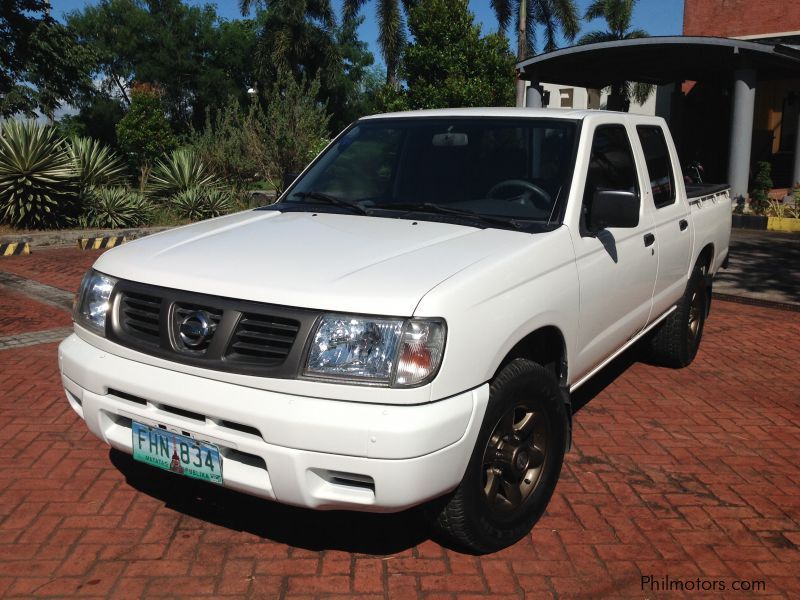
(659, 165)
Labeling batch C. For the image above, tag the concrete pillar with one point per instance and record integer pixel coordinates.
(796, 170)
(744, 101)
(533, 95)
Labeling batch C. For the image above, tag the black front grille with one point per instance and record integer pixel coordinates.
(263, 338)
(248, 337)
(139, 316)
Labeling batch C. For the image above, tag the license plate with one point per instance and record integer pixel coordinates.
(176, 453)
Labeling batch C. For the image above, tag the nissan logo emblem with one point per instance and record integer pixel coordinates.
(196, 328)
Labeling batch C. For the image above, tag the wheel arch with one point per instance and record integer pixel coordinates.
(545, 345)
(705, 258)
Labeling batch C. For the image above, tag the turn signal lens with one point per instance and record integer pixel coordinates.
(421, 349)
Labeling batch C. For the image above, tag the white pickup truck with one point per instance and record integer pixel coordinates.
(406, 324)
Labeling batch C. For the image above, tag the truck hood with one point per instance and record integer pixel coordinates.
(324, 261)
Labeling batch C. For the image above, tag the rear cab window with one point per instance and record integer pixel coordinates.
(659, 164)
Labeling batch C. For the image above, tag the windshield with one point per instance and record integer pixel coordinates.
(499, 169)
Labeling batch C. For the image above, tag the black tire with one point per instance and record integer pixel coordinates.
(675, 342)
(531, 462)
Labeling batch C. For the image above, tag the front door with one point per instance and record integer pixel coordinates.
(616, 266)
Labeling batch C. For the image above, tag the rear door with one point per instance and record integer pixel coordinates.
(616, 266)
(672, 222)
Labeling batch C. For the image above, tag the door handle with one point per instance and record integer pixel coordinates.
(683, 224)
(649, 239)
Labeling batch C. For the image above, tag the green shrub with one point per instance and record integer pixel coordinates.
(181, 171)
(95, 164)
(37, 177)
(197, 204)
(115, 207)
(144, 132)
(762, 184)
(225, 144)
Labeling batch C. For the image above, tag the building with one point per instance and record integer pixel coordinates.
(777, 101)
(729, 88)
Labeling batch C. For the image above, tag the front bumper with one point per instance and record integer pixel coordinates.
(317, 453)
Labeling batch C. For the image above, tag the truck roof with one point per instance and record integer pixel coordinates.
(541, 113)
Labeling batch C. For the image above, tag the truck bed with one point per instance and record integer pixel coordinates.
(698, 190)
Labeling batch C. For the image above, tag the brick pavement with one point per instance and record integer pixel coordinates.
(58, 267)
(21, 314)
(680, 474)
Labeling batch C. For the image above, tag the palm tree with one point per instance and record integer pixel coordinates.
(552, 15)
(618, 15)
(391, 30)
(294, 35)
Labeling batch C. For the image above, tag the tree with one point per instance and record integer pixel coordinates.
(285, 139)
(450, 64)
(225, 144)
(351, 91)
(391, 30)
(551, 15)
(194, 58)
(41, 65)
(618, 15)
(303, 38)
(144, 133)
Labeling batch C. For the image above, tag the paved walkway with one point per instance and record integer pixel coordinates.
(764, 266)
(686, 476)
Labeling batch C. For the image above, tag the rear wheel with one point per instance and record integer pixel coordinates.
(676, 340)
(515, 463)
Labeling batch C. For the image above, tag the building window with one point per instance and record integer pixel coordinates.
(566, 95)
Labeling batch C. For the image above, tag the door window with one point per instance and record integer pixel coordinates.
(611, 164)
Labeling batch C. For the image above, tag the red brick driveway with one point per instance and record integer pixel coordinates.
(688, 475)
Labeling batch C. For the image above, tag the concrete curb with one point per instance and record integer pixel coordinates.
(72, 237)
(777, 305)
(14, 248)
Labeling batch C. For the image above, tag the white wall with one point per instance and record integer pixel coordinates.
(564, 96)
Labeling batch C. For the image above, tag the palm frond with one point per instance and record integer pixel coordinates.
(502, 10)
(351, 8)
(641, 92)
(565, 13)
(634, 34)
(595, 37)
(391, 34)
(596, 10)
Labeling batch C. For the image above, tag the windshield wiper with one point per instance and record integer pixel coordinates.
(323, 197)
(430, 207)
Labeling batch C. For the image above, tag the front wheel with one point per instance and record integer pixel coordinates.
(515, 463)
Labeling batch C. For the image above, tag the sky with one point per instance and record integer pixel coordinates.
(657, 17)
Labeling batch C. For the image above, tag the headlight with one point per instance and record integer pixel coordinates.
(381, 351)
(92, 300)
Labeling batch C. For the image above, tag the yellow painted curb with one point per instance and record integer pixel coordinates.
(100, 243)
(785, 224)
(15, 249)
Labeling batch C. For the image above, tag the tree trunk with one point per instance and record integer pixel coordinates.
(522, 49)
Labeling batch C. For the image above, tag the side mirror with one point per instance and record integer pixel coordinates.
(288, 179)
(613, 208)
